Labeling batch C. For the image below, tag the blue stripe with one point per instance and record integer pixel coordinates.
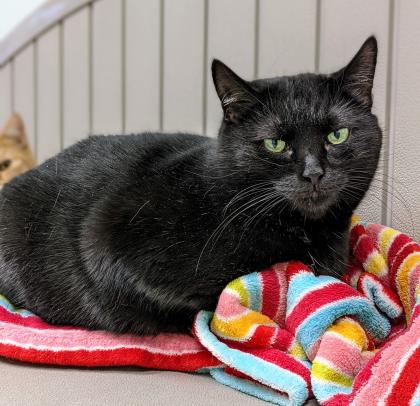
(256, 368)
(253, 283)
(381, 300)
(415, 401)
(249, 387)
(324, 390)
(12, 309)
(315, 325)
(303, 282)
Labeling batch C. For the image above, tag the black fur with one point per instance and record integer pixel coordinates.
(136, 233)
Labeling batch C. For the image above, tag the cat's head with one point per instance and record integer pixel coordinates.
(311, 137)
(15, 155)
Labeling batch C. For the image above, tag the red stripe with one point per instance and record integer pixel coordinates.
(262, 337)
(30, 321)
(416, 313)
(284, 340)
(270, 294)
(295, 268)
(399, 241)
(280, 359)
(399, 259)
(386, 291)
(402, 254)
(355, 233)
(407, 382)
(118, 357)
(313, 301)
(361, 379)
(364, 248)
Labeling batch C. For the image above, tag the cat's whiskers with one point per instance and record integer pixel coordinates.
(252, 204)
(256, 188)
(322, 266)
(338, 258)
(268, 207)
(216, 234)
(269, 204)
(242, 209)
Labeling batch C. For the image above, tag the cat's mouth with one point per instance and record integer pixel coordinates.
(314, 204)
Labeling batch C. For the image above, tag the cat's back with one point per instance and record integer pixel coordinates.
(63, 189)
(43, 212)
(100, 161)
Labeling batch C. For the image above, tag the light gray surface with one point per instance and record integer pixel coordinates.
(27, 385)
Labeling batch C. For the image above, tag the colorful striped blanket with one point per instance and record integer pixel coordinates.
(282, 334)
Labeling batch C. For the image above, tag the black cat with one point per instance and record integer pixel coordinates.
(136, 233)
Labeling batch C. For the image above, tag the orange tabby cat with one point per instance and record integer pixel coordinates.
(15, 154)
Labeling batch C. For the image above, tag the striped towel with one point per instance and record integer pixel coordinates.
(282, 334)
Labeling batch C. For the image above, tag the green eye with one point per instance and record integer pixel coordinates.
(338, 136)
(274, 145)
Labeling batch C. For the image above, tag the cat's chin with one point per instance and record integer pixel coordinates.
(314, 206)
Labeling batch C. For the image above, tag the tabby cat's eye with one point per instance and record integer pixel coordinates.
(5, 164)
(338, 136)
(274, 145)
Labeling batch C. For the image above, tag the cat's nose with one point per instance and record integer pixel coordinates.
(313, 171)
(314, 178)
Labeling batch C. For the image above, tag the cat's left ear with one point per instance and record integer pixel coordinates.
(15, 130)
(357, 77)
(236, 95)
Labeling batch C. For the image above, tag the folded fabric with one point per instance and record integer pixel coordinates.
(282, 334)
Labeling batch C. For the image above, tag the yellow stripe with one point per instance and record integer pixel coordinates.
(14, 308)
(403, 281)
(354, 220)
(350, 330)
(376, 265)
(325, 373)
(387, 235)
(239, 287)
(239, 328)
(297, 351)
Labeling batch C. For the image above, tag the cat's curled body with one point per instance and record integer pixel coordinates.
(137, 233)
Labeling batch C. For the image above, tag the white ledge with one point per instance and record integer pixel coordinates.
(40, 20)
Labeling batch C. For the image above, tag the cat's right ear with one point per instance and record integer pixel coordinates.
(15, 130)
(235, 94)
(357, 77)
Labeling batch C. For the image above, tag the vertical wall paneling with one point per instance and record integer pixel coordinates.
(24, 90)
(287, 37)
(183, 76)
(107, 106)
(142, 33)
(405, 120)
(5, 93)
(338, 43)
(134, 65)
(48, 94)
(76, 84)
(231, 38)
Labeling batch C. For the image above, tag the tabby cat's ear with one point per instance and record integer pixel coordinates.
(357, 77)
(236, 95)
(15, 130)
